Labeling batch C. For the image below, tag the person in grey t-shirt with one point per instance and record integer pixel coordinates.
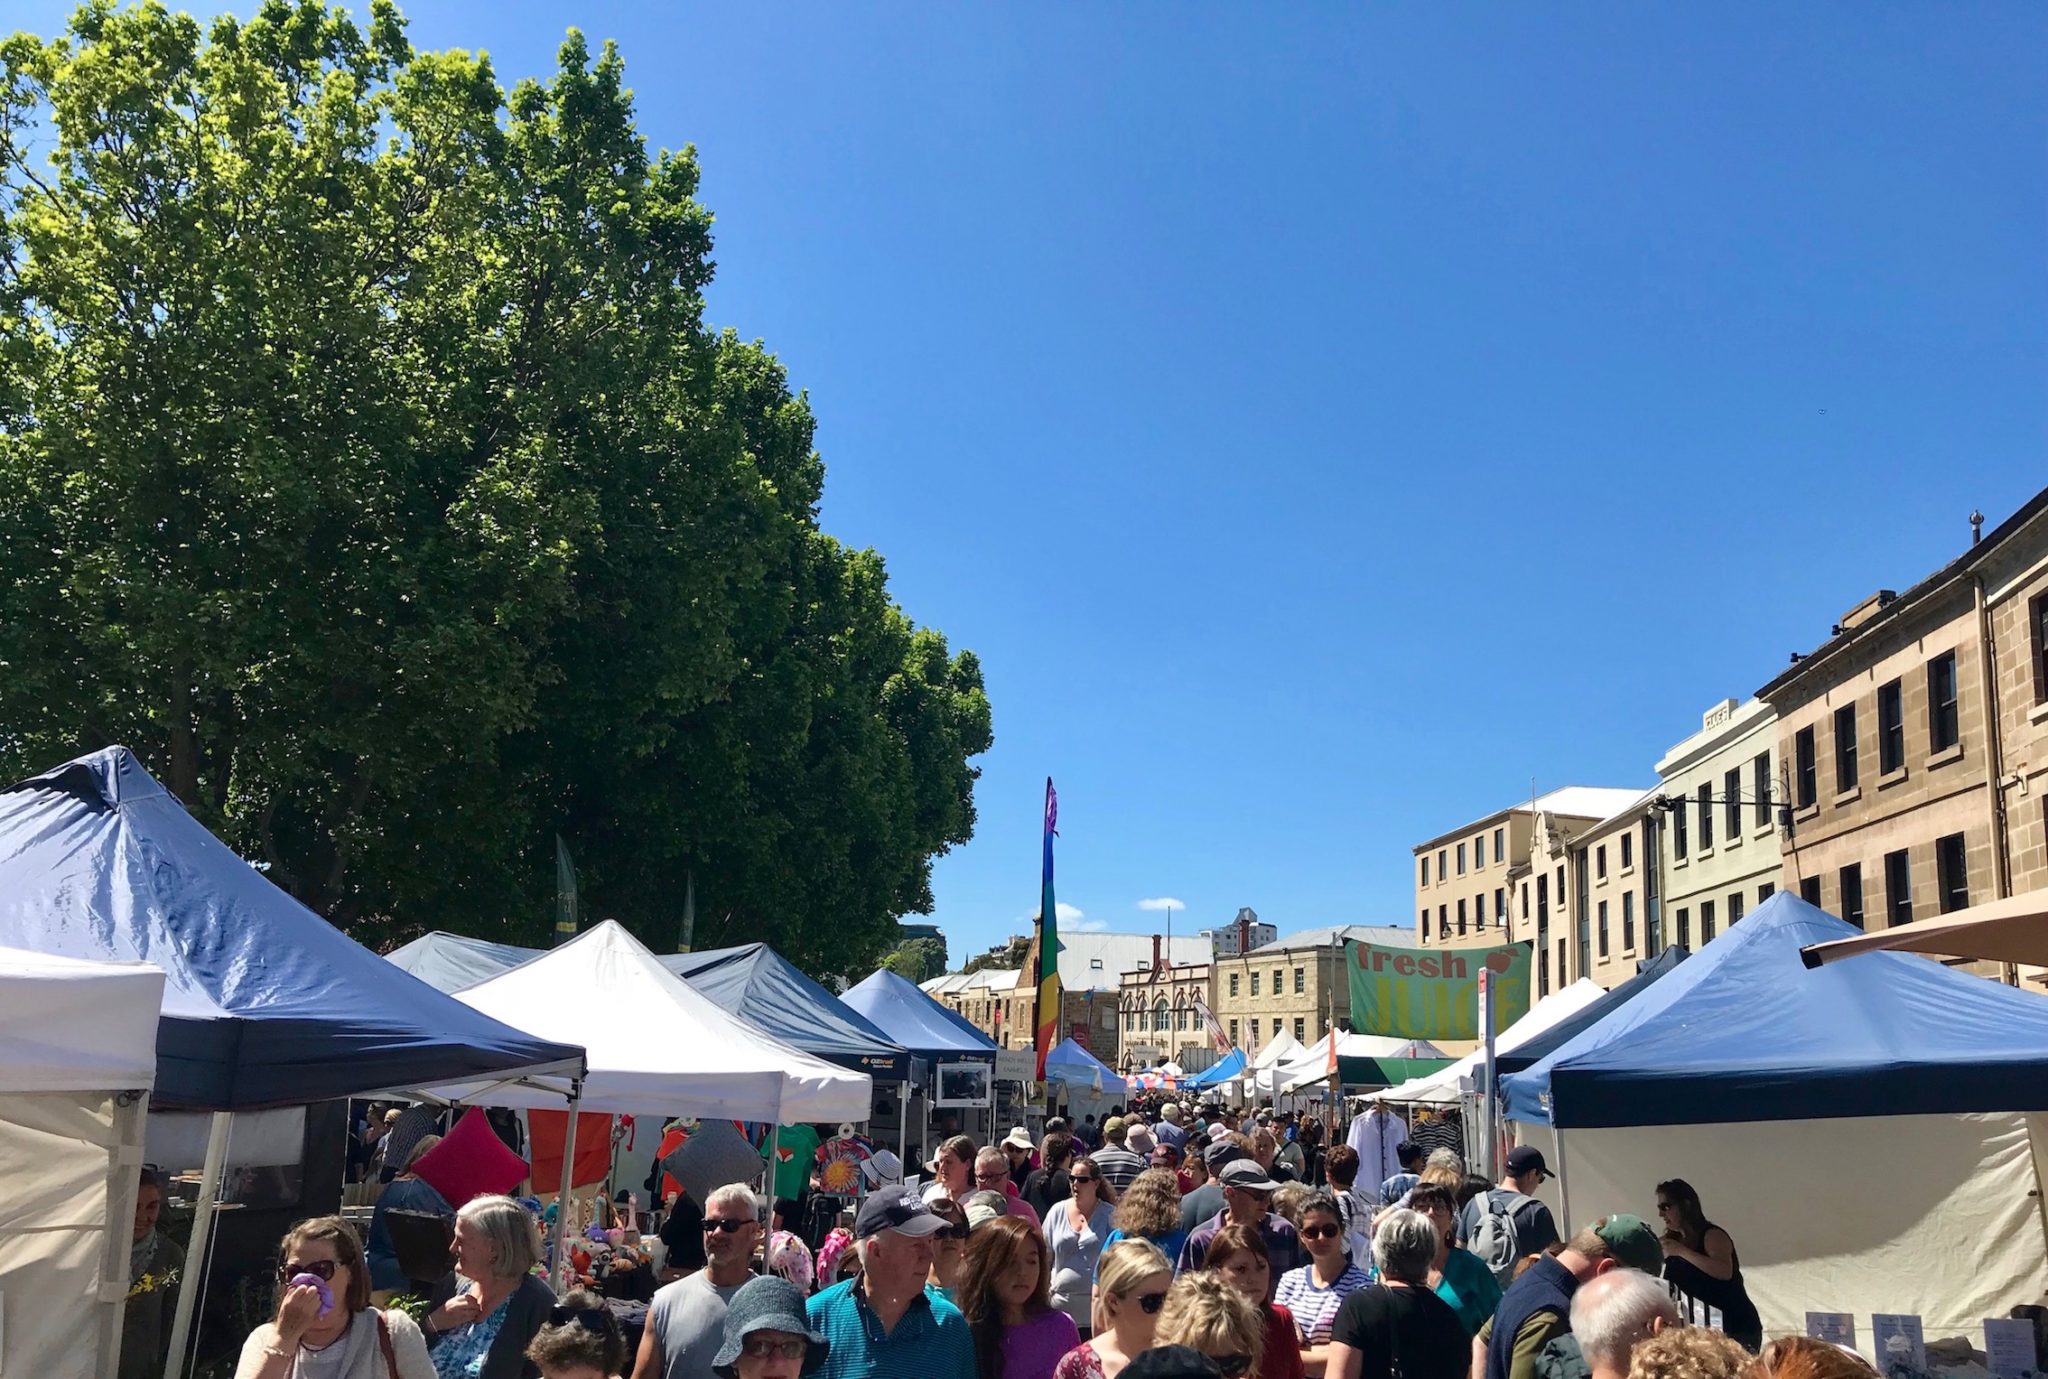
(686, 1324)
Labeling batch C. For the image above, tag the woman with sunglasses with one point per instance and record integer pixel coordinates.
(489, 1310)
(1075, 1233)
(1205, 1313)
(1130, 1289)
(768, 1335)
(581, 1340)
(325, 1324)
(1315, 1291)
(1007, 1298)
(1700, 1261)
(949, 1250)
(1238, 1255)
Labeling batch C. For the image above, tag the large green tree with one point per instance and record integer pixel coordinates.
(368, 466)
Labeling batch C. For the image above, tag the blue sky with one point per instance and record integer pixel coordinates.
(1322, 423)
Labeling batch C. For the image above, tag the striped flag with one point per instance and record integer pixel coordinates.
(1047, 1033)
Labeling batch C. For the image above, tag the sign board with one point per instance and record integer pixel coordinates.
(1899, 1341)
(1016, 1065)
(966, 1084)
(1078, 1032)
(2009, 1347)
(1433, 993)
(1836, 1328)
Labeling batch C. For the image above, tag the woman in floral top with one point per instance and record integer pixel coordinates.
(1130, 1288)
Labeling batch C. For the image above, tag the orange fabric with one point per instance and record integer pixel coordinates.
(593, 1148)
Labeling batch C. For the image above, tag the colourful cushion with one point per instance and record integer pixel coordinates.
(470, 1161)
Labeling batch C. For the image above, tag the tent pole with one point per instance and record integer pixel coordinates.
(558, 1273)
(774, 1168)
(1564, 1187)
(903, 1125)
(201, 1243)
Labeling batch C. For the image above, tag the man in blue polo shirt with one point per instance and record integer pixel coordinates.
(883, 1324)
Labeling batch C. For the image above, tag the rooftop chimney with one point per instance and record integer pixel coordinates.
(1976, 526)
(1158, 961)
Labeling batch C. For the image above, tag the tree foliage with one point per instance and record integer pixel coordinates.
(368, 466)
(918, 959)
(1004, 956)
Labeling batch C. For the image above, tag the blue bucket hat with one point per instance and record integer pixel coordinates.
(767, 1303)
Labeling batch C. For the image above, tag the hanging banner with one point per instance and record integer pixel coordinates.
(1433, 993)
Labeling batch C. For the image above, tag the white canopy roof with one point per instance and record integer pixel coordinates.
(657, 1046)
(1446, 1084)
(1281, 1048)
(77, 1025)
(1314, 1065)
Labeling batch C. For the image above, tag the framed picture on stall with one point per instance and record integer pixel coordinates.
(964, 1084)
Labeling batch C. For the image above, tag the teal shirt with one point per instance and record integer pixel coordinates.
(931, 1341)
(1470, 1288)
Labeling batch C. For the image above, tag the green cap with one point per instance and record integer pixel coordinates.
(1630, 1240)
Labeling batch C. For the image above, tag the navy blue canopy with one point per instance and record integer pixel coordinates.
(265, 1003)
(1742, 1031)
(1530, 1051)
(451, 962)
(769, 992)
(914, 1020)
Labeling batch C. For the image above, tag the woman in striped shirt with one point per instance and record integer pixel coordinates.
(1315, 1291)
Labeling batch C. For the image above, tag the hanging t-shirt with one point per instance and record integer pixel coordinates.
(795, 1150)
(839, 1161)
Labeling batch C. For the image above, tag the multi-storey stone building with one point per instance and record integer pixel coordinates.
(1718, 823)
(1294, 985)
(1160, 1014)
(1002, 1002)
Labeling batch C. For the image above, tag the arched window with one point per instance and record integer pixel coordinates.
(1159, 1015)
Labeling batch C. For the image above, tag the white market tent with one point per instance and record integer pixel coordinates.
(77, 1061)
(1282, 1048)
(1448, 1085)
(656, 1045)
(1313, 1066)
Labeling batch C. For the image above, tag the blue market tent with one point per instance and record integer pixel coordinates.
(1867, 1133)
(265, 1002)
(450, 962)
(908, 1017)
(1231, 1065)
(1564, 1031)
(764, 988)
(1743, 1032)
(1069, 1063)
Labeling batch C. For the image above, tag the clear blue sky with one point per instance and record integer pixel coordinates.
(1323, 423)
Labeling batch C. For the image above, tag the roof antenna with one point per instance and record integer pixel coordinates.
(1976, 526)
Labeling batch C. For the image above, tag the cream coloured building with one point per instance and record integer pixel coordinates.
(1718, 823)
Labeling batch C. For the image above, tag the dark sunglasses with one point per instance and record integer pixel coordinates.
(729, 1225)
(322, 1269)
(589, 1318)
(1320, 1232)
(1083, 1178)
(1150, 1303)
(759, 1347)
(1232, 1366)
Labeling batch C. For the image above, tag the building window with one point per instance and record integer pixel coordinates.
(1543, 901)
(1255, 983)
(1628, 921)
(1422, 924)
(1678, 831)
(1300, 1029)
(1891, 728)
(1765, 892)
(1952, 872)
(1585, 943)
(1942, 732)
(1500, 906)
(1300, 980)
(1160, 1020)
(1851, 880)
(1543, 970)
(1440, 872)
(1603, 929)
(1683, 930)
(1731, 803)
(1525, 900)
(1706, 921)
(1809, 890)
(1461, 916)
(1255, 1031)
(1276, 981)
(1500, 851)
(1760, 786)
(1805, 786)
(2037, 632)
(1706, 816)
(1479, 852)
(1443, 921)
(1734, 908)
(1628, 853)
(1233, 976)
(1233, 1034)
(1898, 888)
(1425, 871)
(1600, 861)
(1461, 859)
(1845, 749)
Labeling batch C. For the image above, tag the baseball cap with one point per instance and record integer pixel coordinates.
(1631, 1241)
(1018, 1138)
(1221, 1153)
(894, 1207)
(1246, 1174)
(1170, 1111)
(1527, 1158)
(1113, 1126)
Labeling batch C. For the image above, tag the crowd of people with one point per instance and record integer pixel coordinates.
(1191, 1244)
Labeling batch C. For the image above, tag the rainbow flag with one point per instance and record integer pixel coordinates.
(1048, 1032)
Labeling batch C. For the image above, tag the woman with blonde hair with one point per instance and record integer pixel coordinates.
(1205, 1313)
(489, 1310)
(1150, 1210)
(1238, 1255)
(1007, 1299)
(1688, 1352)
(324, 1318)
(1130, 1288)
